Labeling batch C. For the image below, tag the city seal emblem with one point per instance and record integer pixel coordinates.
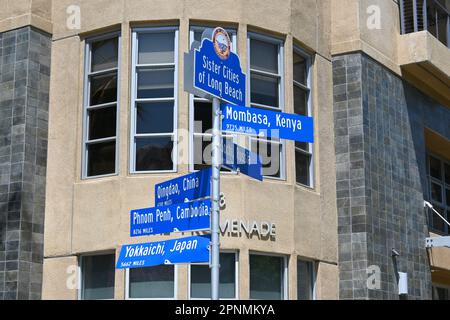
(222, 43)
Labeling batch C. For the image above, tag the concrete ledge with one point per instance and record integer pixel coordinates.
(26, 20)
(424, 61)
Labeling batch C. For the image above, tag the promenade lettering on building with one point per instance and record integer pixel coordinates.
(236, 227)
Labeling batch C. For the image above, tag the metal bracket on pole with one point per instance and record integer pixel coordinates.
(437, 242)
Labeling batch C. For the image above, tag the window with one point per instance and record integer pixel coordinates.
(152, 282)
(439, 186)
(440, 293)
(101, 106)
(154, 103)
(201, 117)
(305, 280)
(266, 92)
(268, 277)
(97, 274)
(200, 278)
(302, 106)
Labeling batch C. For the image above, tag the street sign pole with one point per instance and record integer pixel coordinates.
(215, 215)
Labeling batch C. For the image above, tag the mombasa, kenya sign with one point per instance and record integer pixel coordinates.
(256, 121)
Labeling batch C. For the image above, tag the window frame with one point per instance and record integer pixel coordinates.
(285, 276)
(444, 186)
(87, 107)
(175, 286)
(280, 42)
(192, 99)
(308, 88)
(236, 276)
(134, 100)
(80, 278)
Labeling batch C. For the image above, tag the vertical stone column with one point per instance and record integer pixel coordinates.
(379, 190)
(24, 96)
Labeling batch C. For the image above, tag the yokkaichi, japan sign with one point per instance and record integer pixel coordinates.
(255, 121)
(216, 70)
(186, 188)
(185, 250)
(189, 216)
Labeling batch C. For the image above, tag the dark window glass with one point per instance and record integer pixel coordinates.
(102, 123)
(201, 279)
(447, 174)
(304, 280)
(264, 90)
(156, 48)
(263, 56)
(98, 277)
(202, 151)
(154, 154)
(299, 69)
(155, 83)
(266, 277)
(154, 117)
(152, 282)
(300, 101)
(202, 117)
(436, 192)
(302, 162)
(437, 223)
(104, 54)
(101, 158)
(103, 89)
(435, 168)
(302, 145)
(441, 293)
(447, 197)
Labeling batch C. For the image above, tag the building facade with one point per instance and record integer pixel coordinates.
(93, 114)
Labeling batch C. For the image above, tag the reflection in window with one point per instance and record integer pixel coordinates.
(303, 150)
(101, 107)
(266, 78)
(267, 277)
(305, 280)
(439, 193)
(97, 274)
(152, 282)
(154, 103)
(201, 279)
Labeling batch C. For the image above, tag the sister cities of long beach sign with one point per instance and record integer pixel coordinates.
(254, 121)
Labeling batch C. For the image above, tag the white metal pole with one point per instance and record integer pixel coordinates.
(216, 163)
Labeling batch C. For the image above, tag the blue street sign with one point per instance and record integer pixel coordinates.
(255, 121)
(184, 250)
(186, 188)
(190, 216)
(217, 70)
(237, 158)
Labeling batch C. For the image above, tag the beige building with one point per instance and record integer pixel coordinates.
(323, 223)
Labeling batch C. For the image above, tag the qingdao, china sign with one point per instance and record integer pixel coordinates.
(186, 188)
(213, 70)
